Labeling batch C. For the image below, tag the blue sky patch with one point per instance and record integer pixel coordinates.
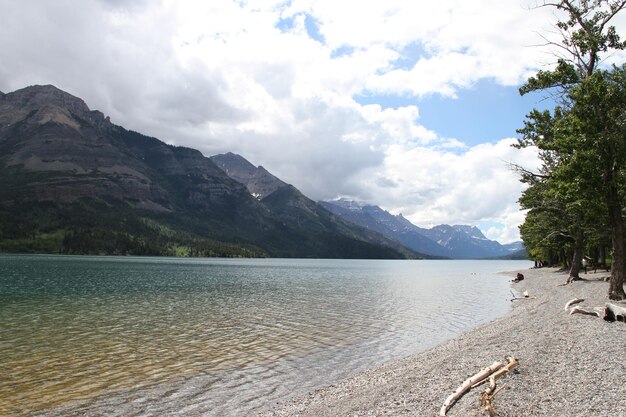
(486, 112)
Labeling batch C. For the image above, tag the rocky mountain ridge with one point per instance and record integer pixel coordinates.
(456, 242)
(73, 182)
(257, 180)
(291, 205)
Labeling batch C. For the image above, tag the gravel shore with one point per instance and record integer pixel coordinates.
(569, 365)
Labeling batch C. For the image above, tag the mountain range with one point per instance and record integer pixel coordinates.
(456, 242)
(72, 182)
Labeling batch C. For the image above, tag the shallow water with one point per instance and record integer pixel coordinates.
(146, 336)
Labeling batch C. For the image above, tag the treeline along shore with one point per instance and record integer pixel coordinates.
(569, 365)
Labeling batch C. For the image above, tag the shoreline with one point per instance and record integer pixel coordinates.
(569, 365)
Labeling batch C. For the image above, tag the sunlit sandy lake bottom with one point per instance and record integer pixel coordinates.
(149, 336)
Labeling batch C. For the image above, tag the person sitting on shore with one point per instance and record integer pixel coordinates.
(519, 277)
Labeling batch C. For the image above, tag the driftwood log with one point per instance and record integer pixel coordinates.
(573, 301)
(610, 311)
(615, 312)
(465, 386)
(596, 311)
(489, 374)
(486, 400)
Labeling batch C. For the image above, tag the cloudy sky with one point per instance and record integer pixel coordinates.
(408, 104)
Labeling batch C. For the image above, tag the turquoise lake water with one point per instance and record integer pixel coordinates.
(219, 337)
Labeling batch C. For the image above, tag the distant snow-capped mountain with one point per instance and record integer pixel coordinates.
(457, 242)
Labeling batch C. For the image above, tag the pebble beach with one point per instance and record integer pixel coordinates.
(569, 365)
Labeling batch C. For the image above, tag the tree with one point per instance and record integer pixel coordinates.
(583, 142)
(545, 231)
(597, 123)
(560, 210)
(586, 34)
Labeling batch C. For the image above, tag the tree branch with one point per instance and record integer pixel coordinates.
(525, 173)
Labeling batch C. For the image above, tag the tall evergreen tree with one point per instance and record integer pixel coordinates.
(583, 142)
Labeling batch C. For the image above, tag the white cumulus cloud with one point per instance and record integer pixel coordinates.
(283, 82)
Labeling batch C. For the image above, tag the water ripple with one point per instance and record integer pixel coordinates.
(139, 336)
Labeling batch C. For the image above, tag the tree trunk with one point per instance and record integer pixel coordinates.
(577, 257)
(602, 257)
(564, 258)
(616, 284)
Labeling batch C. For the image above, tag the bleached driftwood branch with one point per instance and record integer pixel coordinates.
(465, 386)
(596, 311)
(610, 311)
(615, 312)
(486, 400)
(489, 374)
(573, 301)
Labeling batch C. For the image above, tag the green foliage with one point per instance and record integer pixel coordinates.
(582, 142)
(89, 227)
(562, 77)
(33, 243)
(586, 35)
(580, 148)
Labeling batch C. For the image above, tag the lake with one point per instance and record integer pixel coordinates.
(220, 337)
